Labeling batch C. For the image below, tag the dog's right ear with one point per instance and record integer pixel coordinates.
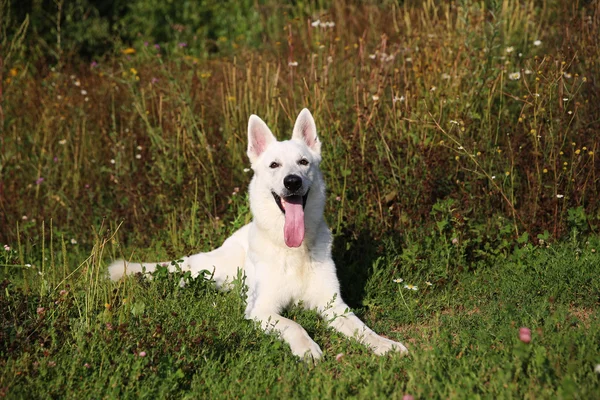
(259, 137)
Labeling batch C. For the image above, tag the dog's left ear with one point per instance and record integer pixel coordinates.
(305, 130)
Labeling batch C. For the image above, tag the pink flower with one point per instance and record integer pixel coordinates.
(408, 397)
(142, 354)
(40, 310)
(87, 365)
(39, 181)
(339, 356)
(525, 335)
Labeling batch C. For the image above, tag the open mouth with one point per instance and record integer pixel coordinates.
(290, 200)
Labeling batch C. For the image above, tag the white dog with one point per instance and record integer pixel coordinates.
(285, 252)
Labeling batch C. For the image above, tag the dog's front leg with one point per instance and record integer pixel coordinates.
(291, 332)
(344, 321)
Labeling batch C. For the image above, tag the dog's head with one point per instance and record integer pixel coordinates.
(284, 172)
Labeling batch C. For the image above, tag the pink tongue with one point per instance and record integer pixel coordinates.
(293, 229)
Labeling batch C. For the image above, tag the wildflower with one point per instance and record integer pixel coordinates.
(77, 83)
(408, 397)
(398, 280)
(537, 42)
(569, 112)
(182, 44)
(339, 356)
(63, 292)
(94, 64)
(591, 153)
(567, 75)
(454, 240)
(445, 76)
(6, 247)
(525, 335)
(493, 176)
(142, 354)
(408, 59)
(128, 51)
(338, 198)
(509, 49)
(429, 283)
(112, 161)
(293, 64)
(138, 156)
(545, 170)
(246, 169)
(316, 23)
(565, 99)
(157, 46)
(133, 71)
(83, 92)
(433, 89)
(73, 241)
(52, 364)
(39, 181)
(398, 99)
(40, 310)
(528, 72)
(560, 196)
(27, 265)
(375, 97)
(86, 365)
(514, 76)
(410, 287)
(13, 72)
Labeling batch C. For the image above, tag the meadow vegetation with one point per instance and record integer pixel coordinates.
(460, 149)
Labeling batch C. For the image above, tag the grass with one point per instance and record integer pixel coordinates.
(443, 165)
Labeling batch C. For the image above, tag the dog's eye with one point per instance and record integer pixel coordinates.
(274, 165)
(304, 161)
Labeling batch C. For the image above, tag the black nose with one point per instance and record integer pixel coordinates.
(292, 182)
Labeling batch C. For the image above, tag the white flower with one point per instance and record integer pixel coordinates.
(537, 42)
(372, 56)
(560, 196)
(389, 58)
(493, 176)
(410, 287)
(375, 97)
(408, 59)
(567, 75)
(597, 369)
(83, 92)
(514, 76)
(246, 169)
(429, 283)
(509, 49)
(112, 161)
(6, 247)
(327, 24)
(396, 99)
(398, 280)
(315, 23)
(73, 241)
(453, 122)
(528, 72)
(433, 89)
(77, 83)
(139, 148)
(569, 112)
(293, 64)
(445, 76)
(62, 142)
(138, 156)
(27, 265)
(565, 99)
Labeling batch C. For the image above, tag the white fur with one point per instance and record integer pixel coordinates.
(277, 275)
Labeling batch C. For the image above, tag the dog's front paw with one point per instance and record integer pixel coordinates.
(381, 346)
(306, 349)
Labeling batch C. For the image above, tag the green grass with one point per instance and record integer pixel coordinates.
(441, 166)
(462, 333)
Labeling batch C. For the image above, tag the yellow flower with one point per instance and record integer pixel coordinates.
(591, 153)
(545, 170)
(128, 50)
(577, 151)
(13, 72)
(507, 173)
(133, 71)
